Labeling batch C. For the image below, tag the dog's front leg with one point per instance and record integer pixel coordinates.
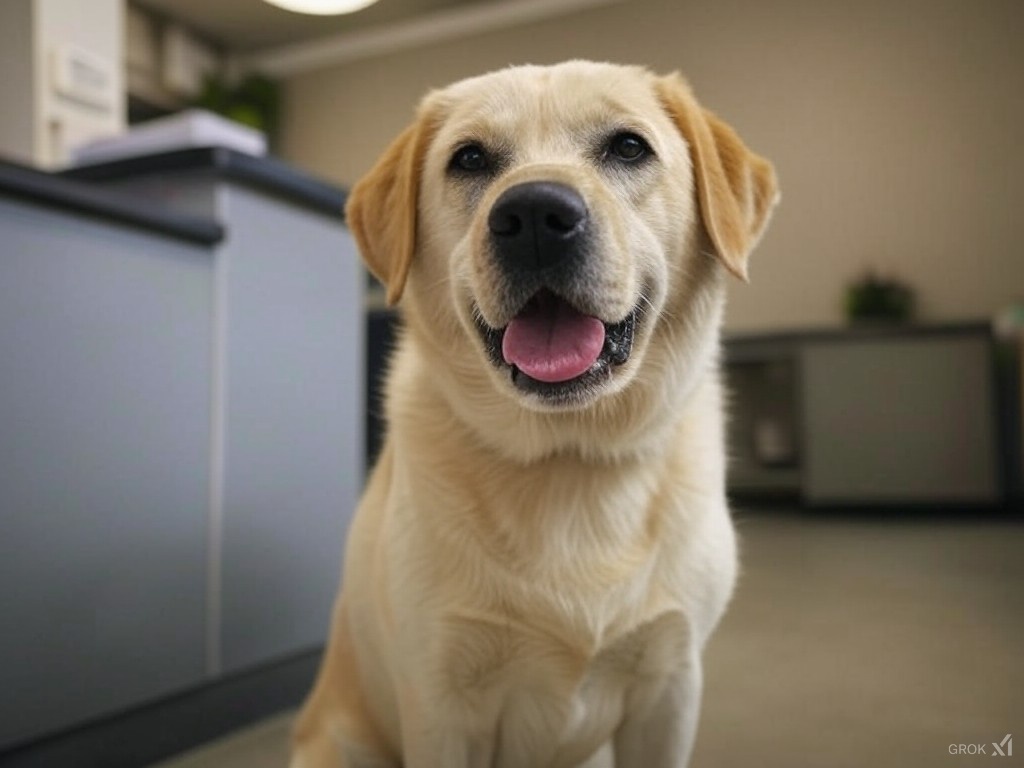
(446, 730)
(439, 746)
(661, 722)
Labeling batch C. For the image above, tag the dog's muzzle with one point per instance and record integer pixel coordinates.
(540, 234)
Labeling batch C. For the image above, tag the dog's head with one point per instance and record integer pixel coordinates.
(562, 231)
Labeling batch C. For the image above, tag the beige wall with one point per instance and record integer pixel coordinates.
(896, 128)
(17, 82)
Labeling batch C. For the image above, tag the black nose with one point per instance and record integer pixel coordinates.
(537, 225)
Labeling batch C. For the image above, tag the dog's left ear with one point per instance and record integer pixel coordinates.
(737, 189)
(381, 209)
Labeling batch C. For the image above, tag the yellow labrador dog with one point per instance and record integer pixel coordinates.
(544, 546)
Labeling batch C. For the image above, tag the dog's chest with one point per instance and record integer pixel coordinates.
(628, 674)
(553, 706)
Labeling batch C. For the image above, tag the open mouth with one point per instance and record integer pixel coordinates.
(553, 350)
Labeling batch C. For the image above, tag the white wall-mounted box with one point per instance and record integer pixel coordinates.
(62, 62)
(82, 76)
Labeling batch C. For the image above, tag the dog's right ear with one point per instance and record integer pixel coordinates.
(381, 209)
(737, 188)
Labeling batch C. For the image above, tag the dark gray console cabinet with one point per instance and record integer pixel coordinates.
(867, 417)
(901, 419)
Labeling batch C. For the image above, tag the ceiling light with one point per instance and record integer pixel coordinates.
(322, 7)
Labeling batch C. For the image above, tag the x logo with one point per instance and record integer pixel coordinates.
(1006, 742)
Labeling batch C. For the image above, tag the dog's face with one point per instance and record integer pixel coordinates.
(555, 191)
(555, 224)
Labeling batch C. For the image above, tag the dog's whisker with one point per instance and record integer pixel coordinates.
(644, 299)
(437, 283)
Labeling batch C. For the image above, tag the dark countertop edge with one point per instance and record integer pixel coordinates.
(879, 332)
(54, 191)
(265, 173)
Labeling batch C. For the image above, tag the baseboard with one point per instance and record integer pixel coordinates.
(145, 735)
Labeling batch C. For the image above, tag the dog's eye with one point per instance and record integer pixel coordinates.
(471, 159)
(628, 147)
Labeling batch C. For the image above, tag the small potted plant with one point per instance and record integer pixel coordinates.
(252, 101)
(874, 299)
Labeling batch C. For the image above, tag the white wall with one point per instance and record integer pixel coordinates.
(895, 127)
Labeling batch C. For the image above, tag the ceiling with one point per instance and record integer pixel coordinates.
(247, 25)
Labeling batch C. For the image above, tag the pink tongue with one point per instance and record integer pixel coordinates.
(550, 341)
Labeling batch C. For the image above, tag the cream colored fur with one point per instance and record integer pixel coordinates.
(525, 585)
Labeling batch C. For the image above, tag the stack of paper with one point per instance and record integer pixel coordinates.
(191, 128)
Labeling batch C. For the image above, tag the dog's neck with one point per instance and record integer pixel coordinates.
(562, 516)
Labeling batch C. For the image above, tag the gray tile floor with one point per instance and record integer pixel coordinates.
(853, 642)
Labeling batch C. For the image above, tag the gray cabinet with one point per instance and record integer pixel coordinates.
(181, 432)
(289, 401)
(881, 416)
(901, 419)
(105, 362)
(289, 347)
(293, 450)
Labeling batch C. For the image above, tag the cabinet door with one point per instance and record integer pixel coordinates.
(900, 420)
(104, 465)
(294, 405)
